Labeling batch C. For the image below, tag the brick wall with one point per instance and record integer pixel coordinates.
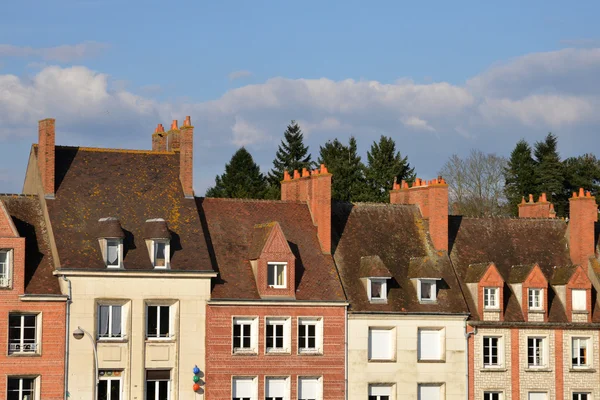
(222, 365)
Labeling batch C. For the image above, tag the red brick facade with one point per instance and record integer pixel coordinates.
(583, 215)
(222, 365)
(491, 279)
(535, 280)
(541, 209)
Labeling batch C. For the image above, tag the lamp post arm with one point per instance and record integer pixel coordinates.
(95, 353)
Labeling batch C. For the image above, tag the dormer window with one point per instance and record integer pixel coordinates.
(110, 236)
(377, 289)
(427, 290)
(160, 252)
(536, 297)
(114, 253)
(491, 297)
(276, 275)
(578, 299)
(5, 268)
(158, 239)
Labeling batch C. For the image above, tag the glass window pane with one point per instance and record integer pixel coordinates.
(150, 390)
(115, 389)
(152, 321)
(103, 390)
(271, 275)
(112, 252)
(159, 254)
(164, 321)
(163, 390)
(116, 322)
(103, 323)
(376, 290)
(280, 275)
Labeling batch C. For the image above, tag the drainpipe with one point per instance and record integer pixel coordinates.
(68, 328)
(467, 335)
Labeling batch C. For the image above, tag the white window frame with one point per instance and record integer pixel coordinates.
(286, 384)
(171, 321)
(377, 391)
(317, 322)
(6, 278)
(285, 322)
(577, 341)
(383, 282)
(119, 251)
(488, 393)
(580, 396)
(36, 385)
(18, 348)
(491, 298)
(573, 304)
(532, 295)
(442, 345)
(433, 283)
(254, 380)
(252, 321)
(543, 349)
(391, 331)
(156, 385)
(275, 265)
(319, 380)
(111, 378)
(499, 351)
(110, 321)
(167, 244)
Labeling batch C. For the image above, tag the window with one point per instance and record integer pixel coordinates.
(158, 384)
(109, 321)
(160, 253)
(377, 289)
(490, 298)
(245, 335)
(310, 339)
(309, 388)
(113, 253)
(580, 352)
(430, 392)
(427, 290)
(535, 299)
(380, 392)
(492, 395)
(582, 396)
(276, 275)
(578, 299)
(21, 388)
(158, 322)
(491, 351)
(109, 386)
(535, 352)
(380, 344)
(537, 396)
(243, 389)
(5, 272)
(276, 389)
(430, 344)
(22, 333)
(276, 335)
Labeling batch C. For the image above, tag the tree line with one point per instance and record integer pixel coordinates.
(480, 184)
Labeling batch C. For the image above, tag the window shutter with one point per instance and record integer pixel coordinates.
(380, 390)
(380, 344)
(275, 388)
(429, 345)
(537, 396)
(308, 388)
(242, 387)
(578, 298)
(429, 392)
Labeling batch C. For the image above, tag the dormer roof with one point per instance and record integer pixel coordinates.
(156, 228)
(562, 275)
(373, 267)
(519, 273)
(7, 227)
(109, 227)
(476, 271)
(424, 267)
(263, 236)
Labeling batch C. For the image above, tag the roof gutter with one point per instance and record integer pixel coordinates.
(265, 302)
(133, 273)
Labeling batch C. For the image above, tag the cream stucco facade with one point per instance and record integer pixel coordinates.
(405, 372)
(185, 293)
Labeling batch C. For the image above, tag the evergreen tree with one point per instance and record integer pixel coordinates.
(242, 179)
(550, 173)
(384, 166)
(348, 183)
(292, 154)
(582, 172)
(519, 176)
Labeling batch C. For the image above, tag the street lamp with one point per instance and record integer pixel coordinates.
(78, 334)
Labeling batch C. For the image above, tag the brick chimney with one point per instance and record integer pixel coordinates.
(46, 150)
(173, 140)
(159, 139)
(583, 215)
(432, 199)
(542, 209)
(186, 156)
(315, 189)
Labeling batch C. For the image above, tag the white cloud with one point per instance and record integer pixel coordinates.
(417, 123)
(239, 74)
(245, 134)
(64, 53)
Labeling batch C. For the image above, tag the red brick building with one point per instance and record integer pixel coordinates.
(32, 309)
(276, 320)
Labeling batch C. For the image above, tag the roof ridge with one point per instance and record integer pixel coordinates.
(250, 200)
(114, 150)
(19, 195)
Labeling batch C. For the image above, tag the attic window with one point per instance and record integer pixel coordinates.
(377, 289)
(160, 253)
(5, 268)
(276, 275)
(427, 289)
(490, 297)
(578, 299)
(114, 253)
(536, 297)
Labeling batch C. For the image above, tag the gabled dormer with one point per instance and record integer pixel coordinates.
(158, 242)
(487, 290)
(530, 286)
(110, 237)
(273, 262)
(12, 254)
(574, 289)
(426, 278)
(375, 277)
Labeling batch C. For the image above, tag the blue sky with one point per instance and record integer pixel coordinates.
(440, 77)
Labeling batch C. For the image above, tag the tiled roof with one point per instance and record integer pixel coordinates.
(475, 272)
(132, 186)
(394, 233)
(26, 213)
(231, 224)
(260, 235)
(372, 266)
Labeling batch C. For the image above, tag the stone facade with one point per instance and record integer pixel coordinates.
(492, 379)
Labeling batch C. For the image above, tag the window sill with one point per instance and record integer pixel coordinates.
(160, 340)
(421, 301)
(378, 301)
(582, 369)
(249, 352)
(431, 361)
(536, 311)
(493, 369)
(382, 361)
(113, 340)
(540, 369)
(36, 354)
(274, 352)
(495, 309)
(581, 312)
(310, 353)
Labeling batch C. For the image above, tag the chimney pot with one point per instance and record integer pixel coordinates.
(531, 198)
(296, 174)
(305, 173)
(174, 125)
(542, 198)
(581, 193)
(188, 121)
(286, 176)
